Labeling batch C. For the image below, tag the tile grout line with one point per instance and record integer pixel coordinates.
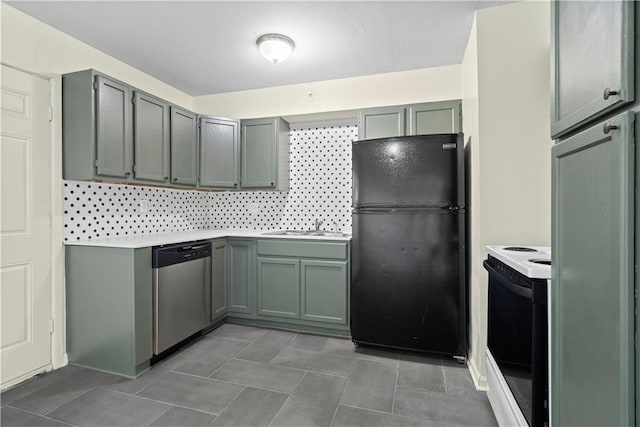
(171, 404)
(335, 411)
(287, 399)
(151, 400)
(395, 388)
(71, 400)
(231, 401)
(40, 415)
(161, 415)
(377, 411)
(342, 356)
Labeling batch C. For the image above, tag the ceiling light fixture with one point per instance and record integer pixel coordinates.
(275, 47)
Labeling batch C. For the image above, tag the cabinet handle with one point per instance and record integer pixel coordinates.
(272, 184)
(608, 92)
(166, 178)
(127, 173)
(235, 184)
(175, 179)
(608, 127)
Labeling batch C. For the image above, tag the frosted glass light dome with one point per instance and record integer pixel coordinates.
(275, 47)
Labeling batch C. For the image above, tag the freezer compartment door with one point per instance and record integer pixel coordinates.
(409, 171)
(408, 287)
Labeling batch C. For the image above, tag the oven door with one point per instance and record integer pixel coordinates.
(517, 340)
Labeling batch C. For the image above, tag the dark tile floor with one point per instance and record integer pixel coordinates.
(243, 376)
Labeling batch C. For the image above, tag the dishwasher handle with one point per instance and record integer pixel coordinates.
(164, 256)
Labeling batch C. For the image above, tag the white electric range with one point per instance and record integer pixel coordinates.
(517, 354)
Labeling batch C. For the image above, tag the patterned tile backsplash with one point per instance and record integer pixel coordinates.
(320, 177)
(96, 210)
(320, 189)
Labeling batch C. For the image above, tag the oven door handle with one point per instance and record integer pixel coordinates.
(506, 283)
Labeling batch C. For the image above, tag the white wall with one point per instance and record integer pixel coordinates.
(471, 129)
(32, 46)
(404, 87)
(36, 47)
(506, 96)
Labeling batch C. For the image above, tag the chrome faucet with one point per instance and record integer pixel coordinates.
(318, 224)
(335, 226)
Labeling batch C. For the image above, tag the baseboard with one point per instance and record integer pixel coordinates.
(15, 381)
(479, 380)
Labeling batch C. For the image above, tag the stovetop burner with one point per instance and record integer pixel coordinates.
(541, 261)
(519, 249)
(532, 261)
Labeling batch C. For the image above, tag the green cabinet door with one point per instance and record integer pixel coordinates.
(113, 128)
(279, 287)
(241, 276)
(592, 60)
(435, 117)
(219, 152)
(324, 291)
(259, 153)
(183, 147)
(218, 279)
(381, 122)
(151, 138)
(592, 290)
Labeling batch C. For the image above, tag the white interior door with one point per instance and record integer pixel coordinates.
(25, 226)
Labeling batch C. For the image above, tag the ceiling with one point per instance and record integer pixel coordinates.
(207, 47)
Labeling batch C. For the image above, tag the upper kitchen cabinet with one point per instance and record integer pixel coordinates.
(96, 127)
(416, 119)
(219, 153)
(113, 131)
(592, 61)
(381, 122)
(265, 154)
(184, 147)
(151, 136)
(435, 117)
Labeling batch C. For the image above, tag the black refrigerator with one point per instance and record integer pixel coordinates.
(408, 272)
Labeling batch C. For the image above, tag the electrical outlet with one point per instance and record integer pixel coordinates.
(143, 206)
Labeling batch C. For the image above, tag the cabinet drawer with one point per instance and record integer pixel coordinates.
(330, 250)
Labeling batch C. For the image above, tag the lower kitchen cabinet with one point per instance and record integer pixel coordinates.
(324, 291)
(302, 285)
(314, 290)
(218, 279)
(241, 279)
(109, 308)
(279, 287)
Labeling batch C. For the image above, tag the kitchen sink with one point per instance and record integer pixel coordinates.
(288, 233)
(305, 233)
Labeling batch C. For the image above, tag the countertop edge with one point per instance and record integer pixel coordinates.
(190, 236)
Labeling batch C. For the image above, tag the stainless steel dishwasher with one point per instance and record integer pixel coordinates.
(181, 292)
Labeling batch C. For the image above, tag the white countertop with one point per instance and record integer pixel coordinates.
(188, 236)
